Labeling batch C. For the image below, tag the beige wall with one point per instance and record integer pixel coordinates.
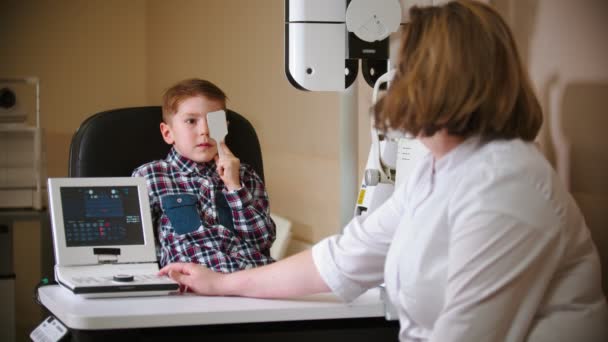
(239, 45)
(564, 44)
(93, 56)
(568, 58)
(97, 55)
(89, 56)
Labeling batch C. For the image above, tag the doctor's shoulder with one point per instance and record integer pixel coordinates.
(507, 177)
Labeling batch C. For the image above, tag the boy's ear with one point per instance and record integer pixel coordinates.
(165, 131)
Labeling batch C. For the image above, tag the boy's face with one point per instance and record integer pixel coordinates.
(187, 130)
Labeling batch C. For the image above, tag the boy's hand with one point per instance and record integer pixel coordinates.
(228, 167)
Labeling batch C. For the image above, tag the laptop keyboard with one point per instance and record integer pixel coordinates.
(100, 280)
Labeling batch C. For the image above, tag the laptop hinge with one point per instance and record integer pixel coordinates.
(107, 255)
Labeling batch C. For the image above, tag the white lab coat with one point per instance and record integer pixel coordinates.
(484, 244)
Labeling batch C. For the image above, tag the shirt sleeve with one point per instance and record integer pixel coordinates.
(504, 249)
(353, 262)
(251, 212)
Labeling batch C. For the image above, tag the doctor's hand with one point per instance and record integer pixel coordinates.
(193, 277)
(228, 167)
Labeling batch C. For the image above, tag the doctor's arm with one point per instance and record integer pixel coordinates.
(292, 276)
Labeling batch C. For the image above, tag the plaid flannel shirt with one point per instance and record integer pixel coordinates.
(183, 200)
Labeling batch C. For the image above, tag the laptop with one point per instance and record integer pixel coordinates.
(103, 238)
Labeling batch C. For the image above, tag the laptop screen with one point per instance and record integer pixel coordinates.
(101, 215)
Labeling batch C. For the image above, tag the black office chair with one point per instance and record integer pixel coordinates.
(113, 143)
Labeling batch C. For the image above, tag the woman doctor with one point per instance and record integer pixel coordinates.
(483, 243)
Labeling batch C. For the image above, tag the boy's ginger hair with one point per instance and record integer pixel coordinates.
(186, 89)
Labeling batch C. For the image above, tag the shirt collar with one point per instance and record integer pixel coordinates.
(186, 165)
(457, 155)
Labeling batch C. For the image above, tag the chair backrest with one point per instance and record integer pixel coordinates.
(113, 143)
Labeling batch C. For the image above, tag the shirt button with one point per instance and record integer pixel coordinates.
(179, 200)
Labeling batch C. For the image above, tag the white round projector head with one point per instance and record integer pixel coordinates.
(373, 20)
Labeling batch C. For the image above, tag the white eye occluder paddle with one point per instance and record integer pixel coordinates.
(216, 121)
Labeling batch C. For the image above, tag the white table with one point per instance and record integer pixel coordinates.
(311, 318)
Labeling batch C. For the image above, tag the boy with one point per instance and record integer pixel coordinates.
(186, 187)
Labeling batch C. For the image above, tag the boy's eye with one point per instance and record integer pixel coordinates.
(190, 121)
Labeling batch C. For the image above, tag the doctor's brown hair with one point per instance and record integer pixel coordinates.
(459, 70)
(186, 89)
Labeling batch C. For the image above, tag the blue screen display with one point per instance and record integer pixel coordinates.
(101, 216)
